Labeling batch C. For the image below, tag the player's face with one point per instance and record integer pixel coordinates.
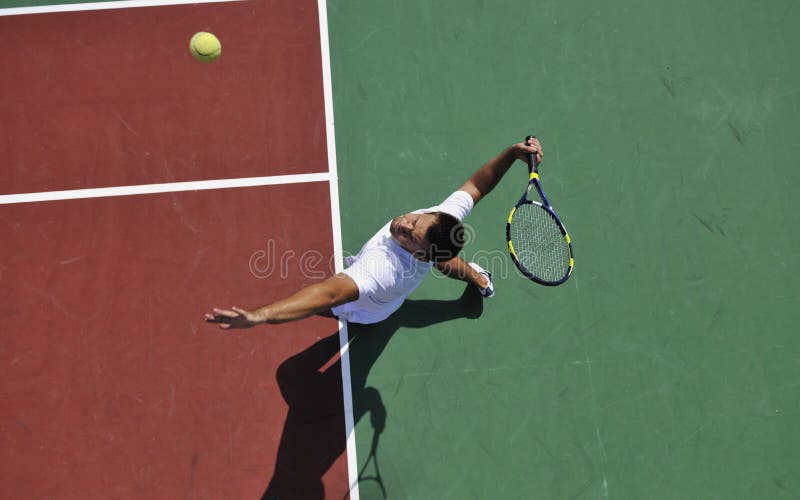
(409, 231)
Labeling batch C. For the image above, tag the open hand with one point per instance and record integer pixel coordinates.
(237, 318)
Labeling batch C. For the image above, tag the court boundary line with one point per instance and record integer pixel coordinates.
(171, 187)
(122, 4)
(336, 225)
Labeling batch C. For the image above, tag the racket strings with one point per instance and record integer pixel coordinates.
(539, 243)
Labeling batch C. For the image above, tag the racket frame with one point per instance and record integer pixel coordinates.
(533, 181)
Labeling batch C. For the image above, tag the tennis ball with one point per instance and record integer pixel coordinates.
(205, 47)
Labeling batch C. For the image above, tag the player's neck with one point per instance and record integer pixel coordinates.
(413, 251)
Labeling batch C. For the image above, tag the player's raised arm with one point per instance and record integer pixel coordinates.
(487, 177)
(313, 299)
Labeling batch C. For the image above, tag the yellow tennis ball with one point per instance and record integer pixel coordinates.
(205, 47)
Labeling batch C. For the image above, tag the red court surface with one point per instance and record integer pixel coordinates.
(114, 387)
(113, 97)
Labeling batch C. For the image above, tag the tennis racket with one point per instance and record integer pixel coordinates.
(537, 239)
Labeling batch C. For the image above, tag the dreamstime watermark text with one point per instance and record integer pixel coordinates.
(271, 263)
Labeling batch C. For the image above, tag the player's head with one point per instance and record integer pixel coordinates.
(445, 237)
(433, 236)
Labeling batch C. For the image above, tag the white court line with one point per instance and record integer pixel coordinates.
(336, 223)
(77, 7)
(172, 187)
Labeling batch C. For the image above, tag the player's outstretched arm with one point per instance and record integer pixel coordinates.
(487, 177)
(459, 269)
(313, 299)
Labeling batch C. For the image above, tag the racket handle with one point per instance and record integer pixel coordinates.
(533, 163)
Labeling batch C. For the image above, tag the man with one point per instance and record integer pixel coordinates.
(393, 263)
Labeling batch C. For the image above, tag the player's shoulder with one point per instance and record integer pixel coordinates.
(459, 204)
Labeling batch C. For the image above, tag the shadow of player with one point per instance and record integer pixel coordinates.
(311, 383)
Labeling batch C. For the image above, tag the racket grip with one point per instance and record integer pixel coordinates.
(533, 163)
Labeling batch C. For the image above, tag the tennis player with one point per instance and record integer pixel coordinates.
(392, 264)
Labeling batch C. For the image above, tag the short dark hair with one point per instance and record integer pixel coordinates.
(445, 237)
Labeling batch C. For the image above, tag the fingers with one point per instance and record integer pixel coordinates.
(535, 147)
(223, 317)
(234, 318)
(224, 322)
(226, 313)
(534, 143)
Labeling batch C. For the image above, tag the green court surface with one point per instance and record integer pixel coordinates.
(667, 367)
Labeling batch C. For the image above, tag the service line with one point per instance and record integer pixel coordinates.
(124, 4)
(170, 187)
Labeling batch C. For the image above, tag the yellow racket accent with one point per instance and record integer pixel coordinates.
(566, 237)
(511, 249)
(511, 215)
(534, 175)
(571, 262)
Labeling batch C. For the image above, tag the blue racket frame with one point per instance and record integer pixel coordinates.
(533, 181)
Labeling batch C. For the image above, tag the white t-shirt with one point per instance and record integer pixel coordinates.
(386, 273)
